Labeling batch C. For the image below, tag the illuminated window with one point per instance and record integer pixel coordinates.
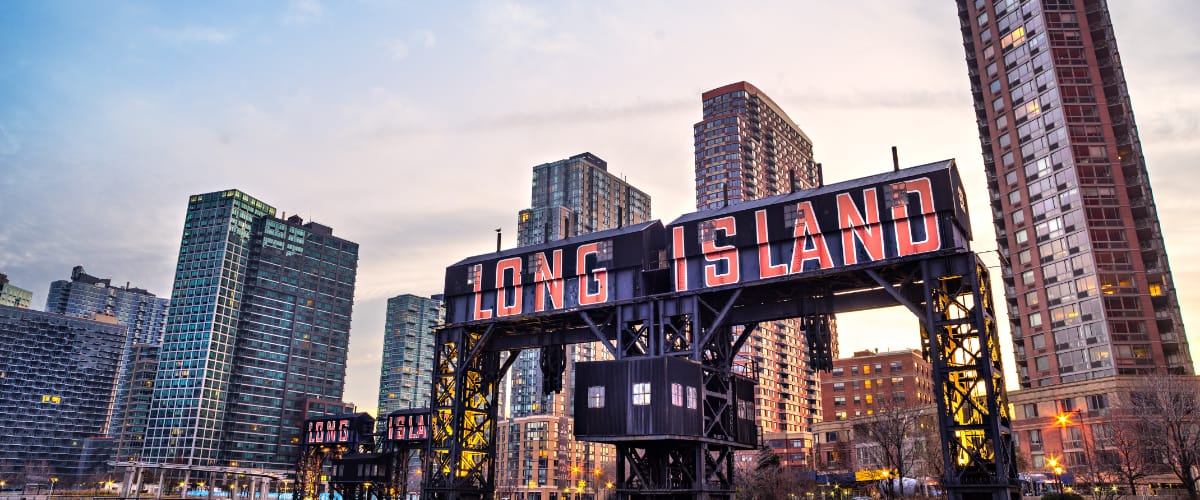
(1032, 109)
(1014, 39)
(692, 402)
(1156, 290)
(866, 369)
(676, 395)
(641, 394)
(596, 397)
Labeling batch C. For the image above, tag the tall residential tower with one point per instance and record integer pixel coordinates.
(257, 332)
(57, 378)
(142, 314)
(1086, 277)
(746, 149)
(1089, 290)
(407, 369)
(539, 455)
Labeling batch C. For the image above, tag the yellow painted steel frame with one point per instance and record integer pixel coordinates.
(961, 342)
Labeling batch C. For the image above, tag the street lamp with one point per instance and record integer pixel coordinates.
(53, 481)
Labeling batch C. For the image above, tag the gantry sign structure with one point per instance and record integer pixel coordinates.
(696, 289)
(344, 454)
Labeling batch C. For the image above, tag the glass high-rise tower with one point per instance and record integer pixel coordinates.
(57, 378)
(12, 295)
(407, 369)
(142, 314)
(257, 331)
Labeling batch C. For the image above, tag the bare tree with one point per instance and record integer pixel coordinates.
(1095, 472)
(1127, 456)
(764, 478)
(930, 446)
(1169, 408)
(891, 435)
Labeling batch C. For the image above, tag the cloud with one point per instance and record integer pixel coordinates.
(303, 12)
(398, 49)
(195, 34)
(517, 27)
(425, 37)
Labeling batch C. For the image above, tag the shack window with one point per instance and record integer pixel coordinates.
(676, 395)
(596, 396)
(641, 394)
(691, 393)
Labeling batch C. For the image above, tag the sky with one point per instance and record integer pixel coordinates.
(411, 128)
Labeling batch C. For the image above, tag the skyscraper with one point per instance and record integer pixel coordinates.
(13, 296)
(142, 314)
(1089, 290)
(538, 452)
(746, 149)
(257, 333)
(575, 196)
(133, 402)
(57, 377)
(1086, 278)
(407, 369)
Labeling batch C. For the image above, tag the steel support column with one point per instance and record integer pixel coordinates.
(959, 331)
(460, 462)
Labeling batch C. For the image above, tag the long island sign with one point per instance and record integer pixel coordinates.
(914, 211)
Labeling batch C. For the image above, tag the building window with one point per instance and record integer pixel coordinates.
(839, 386)
(641, 394)
(676, 395)
(839, 401)
(745, 409)
(692, 403)
(837, 371)
(596, 396)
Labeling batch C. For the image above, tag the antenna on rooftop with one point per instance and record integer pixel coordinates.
(895, 160)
